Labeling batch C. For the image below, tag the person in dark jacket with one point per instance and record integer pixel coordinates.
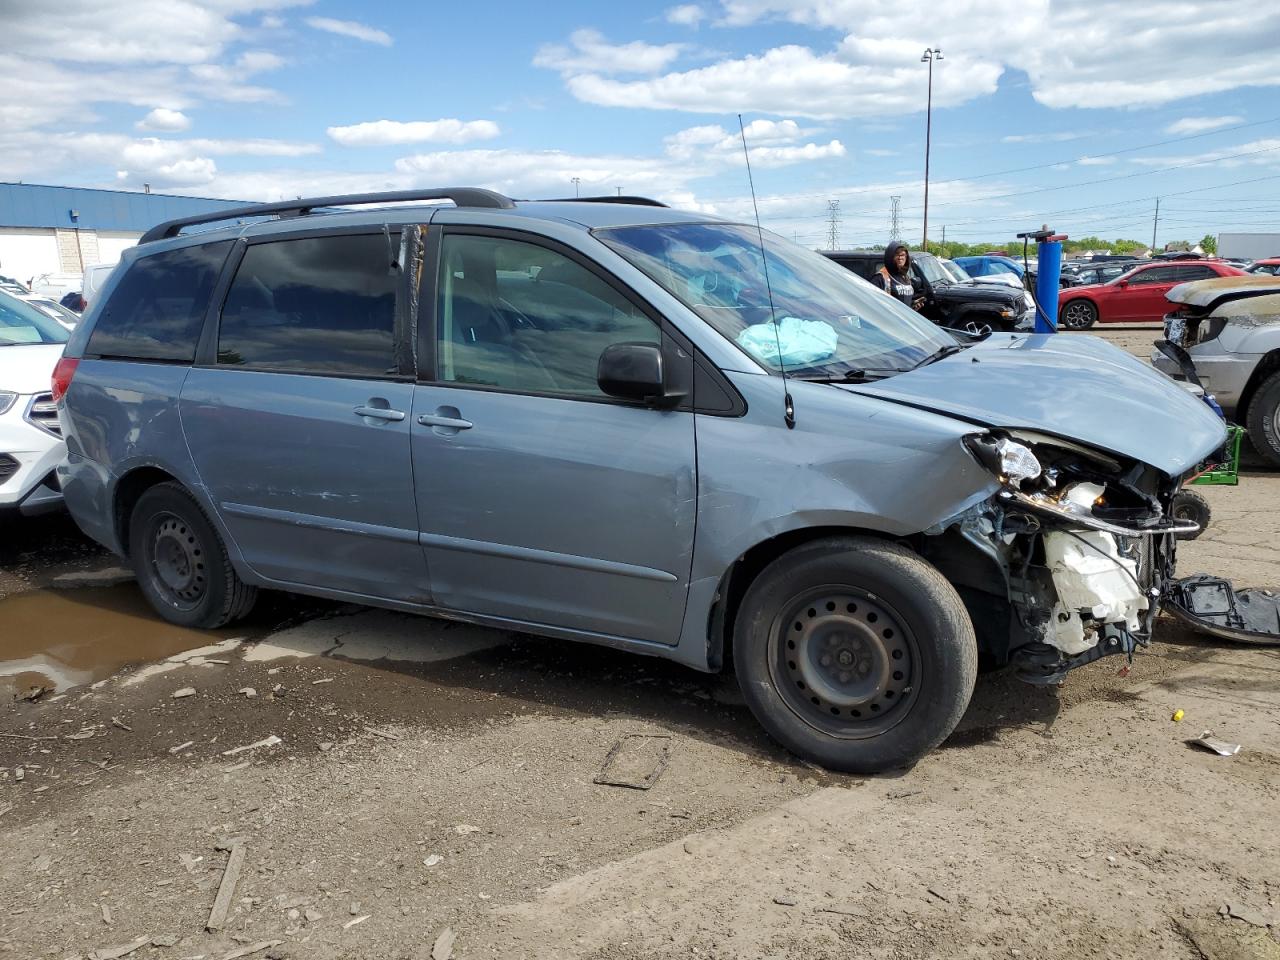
(895, 276)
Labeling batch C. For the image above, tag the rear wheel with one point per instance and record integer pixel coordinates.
(855, 653)
(1263, 419)
(1078, 315)
(181, 563)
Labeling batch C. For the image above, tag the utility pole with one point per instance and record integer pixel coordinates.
(833, 224)
(930, 55)
(576, 181)
(1155, 223)
(944, 235)
(895, 227)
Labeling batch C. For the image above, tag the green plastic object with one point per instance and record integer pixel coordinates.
(1228, 472)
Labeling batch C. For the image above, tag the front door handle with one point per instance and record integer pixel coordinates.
(380, 413)
(436, 420)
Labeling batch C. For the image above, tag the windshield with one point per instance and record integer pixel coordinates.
(999, 266)
(22, 323)
(956, 271)
(830, 323)
(931, 269)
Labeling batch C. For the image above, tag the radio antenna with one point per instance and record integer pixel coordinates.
(788, 408)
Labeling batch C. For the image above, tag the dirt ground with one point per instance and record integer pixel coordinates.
(397, 787)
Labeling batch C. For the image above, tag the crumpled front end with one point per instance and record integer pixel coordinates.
(1081, 543)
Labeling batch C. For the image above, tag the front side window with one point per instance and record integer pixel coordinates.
(157, 310)
(1185, 274)
(1150, 275)
(320, 305)
(821, 321)
(524, 318)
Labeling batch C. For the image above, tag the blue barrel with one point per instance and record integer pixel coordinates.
(1047, 276)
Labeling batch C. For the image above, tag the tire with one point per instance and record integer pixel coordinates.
(880, 610)
(181, 563)
(1263, 419)
(1189, 505)
(1078, 314)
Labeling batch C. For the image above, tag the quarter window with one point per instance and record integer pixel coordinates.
(157, 310)
(323, 305)
(524, 318)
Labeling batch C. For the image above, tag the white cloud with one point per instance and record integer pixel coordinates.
(880, 152)
(1110, 52)
(164, 120)
(685, 15)
(589, 52)
(384, 132)
(350, 28)
(1263, 152)
(1193, 125)
(1058, 137)
(1096, 161)
(772, 144)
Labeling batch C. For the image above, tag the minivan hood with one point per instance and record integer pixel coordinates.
(28, 367)
(1076, 387)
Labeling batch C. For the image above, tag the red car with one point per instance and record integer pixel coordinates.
(1136, 296)
(1267, 265)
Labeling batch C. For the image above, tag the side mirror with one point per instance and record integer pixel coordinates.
(633, 371)
(1123, 284)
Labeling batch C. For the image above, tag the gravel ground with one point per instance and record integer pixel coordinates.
(434, 783)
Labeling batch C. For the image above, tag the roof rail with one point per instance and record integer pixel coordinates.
(462, 196)
(635, 201)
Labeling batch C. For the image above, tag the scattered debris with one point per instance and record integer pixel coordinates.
(117, 722)
(432, 860)
(114, 953)
(106, 914)
(636, 761)
(184, 692)
(325, 746)
(784, 901)
(251, 948)
(313, 915)
(42, 863)
(443, 947)
(270, 741)
(463, 829)
(32, 694)
(354, 909)
(19, 774)
(182, 746)
(1206, 741)
(1177, 716)
(841, 911)
(1255, 918)
(23, 736)
(82, 735)
(227, 889)
(5, 808)
(248, 692)
(940, 894)
(190, 862)
(902, 794)
(165, 940)
(385, 734)
(325, 680)
(356, 920)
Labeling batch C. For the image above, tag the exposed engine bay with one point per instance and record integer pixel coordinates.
(1079, 542)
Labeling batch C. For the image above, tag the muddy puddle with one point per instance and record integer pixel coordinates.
(64, 638)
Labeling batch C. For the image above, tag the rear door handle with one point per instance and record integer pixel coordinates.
(435, 420)
(380, 413)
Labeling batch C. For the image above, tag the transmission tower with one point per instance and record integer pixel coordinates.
(895, 229)
(833, 224)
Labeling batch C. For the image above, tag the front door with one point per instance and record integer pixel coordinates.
(300, 426)
(540, 499)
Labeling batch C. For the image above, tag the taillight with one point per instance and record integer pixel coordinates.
(62, 374)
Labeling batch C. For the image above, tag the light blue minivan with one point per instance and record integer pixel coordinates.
(610, 421)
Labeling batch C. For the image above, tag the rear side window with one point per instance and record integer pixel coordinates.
(321, 305)
(158, 308)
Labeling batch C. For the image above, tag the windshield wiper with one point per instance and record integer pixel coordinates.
(939, 354)
(854, 376)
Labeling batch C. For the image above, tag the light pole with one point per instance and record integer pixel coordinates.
(576, 181)
(930, 55)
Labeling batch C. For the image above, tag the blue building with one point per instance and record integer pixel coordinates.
(61, 230)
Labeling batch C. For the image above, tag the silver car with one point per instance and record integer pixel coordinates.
(1229, 329)
(623, 424)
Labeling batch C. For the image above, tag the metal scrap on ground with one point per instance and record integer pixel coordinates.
(227, 889)
(1206, 741)
(636, 761)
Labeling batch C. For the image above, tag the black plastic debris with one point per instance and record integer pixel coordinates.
(1213, 606)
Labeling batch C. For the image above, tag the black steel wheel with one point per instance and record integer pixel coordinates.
(1078, 315)
(181, 562)
(855, 653)
(1263, 419)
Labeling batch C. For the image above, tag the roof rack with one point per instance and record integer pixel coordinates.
(462, 196)
(635, 201)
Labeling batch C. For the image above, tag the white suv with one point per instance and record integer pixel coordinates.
(31, 442)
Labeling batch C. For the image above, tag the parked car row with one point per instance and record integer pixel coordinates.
(1136, 296)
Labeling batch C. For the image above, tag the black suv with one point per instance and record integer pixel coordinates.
(947, 301)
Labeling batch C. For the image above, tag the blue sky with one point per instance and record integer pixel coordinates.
(1110, 104)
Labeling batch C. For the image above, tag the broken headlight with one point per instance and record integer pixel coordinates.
(1011, 461)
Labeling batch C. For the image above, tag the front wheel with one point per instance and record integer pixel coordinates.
(1263, 419)
(181, 563)
(855, 653)
(1079, 315)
